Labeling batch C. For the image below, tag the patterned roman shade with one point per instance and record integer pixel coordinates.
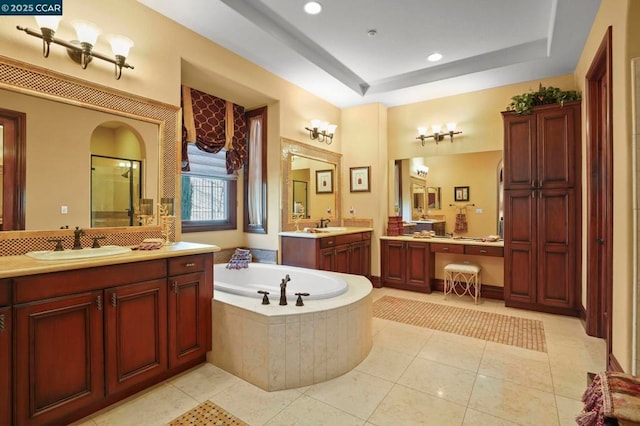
(211, 124)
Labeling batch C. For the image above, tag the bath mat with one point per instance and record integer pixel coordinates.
(505, 329)
(207, 414)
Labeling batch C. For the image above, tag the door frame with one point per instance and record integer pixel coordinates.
(599, 85)
(14, 156)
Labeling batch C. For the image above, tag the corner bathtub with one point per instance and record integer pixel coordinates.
(282, 347)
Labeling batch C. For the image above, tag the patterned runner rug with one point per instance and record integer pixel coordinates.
(207, 414)
(515, 331)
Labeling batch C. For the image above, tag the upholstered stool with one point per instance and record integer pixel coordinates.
(461, 279)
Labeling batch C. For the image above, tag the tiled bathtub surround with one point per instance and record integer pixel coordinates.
(282, 347)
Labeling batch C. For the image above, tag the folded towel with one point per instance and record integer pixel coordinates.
(240, 259)
(461, 221)
(611, 395)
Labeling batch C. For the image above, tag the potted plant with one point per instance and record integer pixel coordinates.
(522, 104)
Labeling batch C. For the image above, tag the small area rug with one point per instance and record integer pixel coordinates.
(207, 414)
(505, 329)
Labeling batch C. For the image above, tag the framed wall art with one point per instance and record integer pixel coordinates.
(324, 181)
(359, 181)
(461, 193)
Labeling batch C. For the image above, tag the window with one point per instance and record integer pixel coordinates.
(208, 193)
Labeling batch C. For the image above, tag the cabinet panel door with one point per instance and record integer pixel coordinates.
(326, 259)
(366, 258)
(520, 242)
(519, 151)
(393, 262)
(556, 248)
(59, 343)
(341, 261)
(5, 366)
(136, 333)
(418, 265)
(356, 253)
(557, 133)
(187, 318)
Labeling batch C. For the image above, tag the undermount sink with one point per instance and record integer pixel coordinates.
(85, 253)
(332, 229)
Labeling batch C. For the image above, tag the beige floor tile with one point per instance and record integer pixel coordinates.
(311, 412)
(385, 363)
(522, 366)
(454, 350)
(204, 381)
(521, 313)
(406, 406)
(378, 324)
(404, 338)
(356, 393)
(163, 404)
(252, 404)
(477, 418)
(568, 409)
(436, 379)
(514, 402)
(569, 382)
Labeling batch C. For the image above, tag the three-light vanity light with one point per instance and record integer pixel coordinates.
(81, 50)
(437, 135)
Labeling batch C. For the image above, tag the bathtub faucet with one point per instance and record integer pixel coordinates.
(283, 290)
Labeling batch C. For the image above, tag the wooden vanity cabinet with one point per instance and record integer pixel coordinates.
(5, 352)
(406, 265)
(189, 308)
(348, 253)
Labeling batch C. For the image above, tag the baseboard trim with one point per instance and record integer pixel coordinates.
(487, 291)
(375, 281)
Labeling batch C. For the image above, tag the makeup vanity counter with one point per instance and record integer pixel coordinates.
(410, 263)
(337, 249)
(79, 335)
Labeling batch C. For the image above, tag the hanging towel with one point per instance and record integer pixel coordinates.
(461, 220)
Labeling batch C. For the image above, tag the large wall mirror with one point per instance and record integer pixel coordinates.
(62, 114)
(310, 185)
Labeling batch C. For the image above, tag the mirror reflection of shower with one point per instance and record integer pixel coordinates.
(116, 187)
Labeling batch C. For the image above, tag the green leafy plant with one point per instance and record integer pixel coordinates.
(522, 104)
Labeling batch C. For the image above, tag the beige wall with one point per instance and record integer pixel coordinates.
(623, 16)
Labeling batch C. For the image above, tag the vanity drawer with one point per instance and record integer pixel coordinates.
(185, 264)
(484, 250)
(327, 242)
(348, 238)
(447, 248)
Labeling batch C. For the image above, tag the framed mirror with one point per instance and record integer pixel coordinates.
(433, 197)
(301, 162)
(69, 109)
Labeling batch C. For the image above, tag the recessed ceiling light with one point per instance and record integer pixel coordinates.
(372, 32)
(313, 7)
(434, 57)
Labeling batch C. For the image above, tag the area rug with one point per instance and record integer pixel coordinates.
(207, 414)
(505, 329)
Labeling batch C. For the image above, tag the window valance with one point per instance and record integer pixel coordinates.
(211, 124)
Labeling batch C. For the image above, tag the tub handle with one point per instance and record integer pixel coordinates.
(299, 300)
(265, 298)
(189, 265)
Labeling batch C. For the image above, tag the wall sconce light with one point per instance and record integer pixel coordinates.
(422, 171)
(437, 132)
(322, 131)
(81, 50)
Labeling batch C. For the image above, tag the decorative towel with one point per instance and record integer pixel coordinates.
(613, 395)
(461, 221)
(240, 259)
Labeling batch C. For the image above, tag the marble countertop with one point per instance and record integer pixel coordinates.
(443, 240)
(16, 266)
(428, 221)
(323, 234)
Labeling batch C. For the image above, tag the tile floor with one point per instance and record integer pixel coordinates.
(412, 376)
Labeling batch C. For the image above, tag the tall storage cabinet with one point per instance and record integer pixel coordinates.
(542, 208)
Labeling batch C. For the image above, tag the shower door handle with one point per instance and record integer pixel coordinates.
(600, 240)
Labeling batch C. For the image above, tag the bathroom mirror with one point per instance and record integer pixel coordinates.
(433, 197)
(300, 162)
(61, 114)
(418, 192)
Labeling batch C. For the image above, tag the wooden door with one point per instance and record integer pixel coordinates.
(187, 318)
(393, 262)
(556, 264)
(558, 129)
(5, 366)
(520, 161)
(418, 276)
(136, 333)
(59, 352)
(520, 247)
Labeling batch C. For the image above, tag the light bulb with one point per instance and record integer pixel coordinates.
(120, 45)
(451, 126)
(48, 21)
(315, 124)
(422, 131)
(331, 128)
(86, 32)
(436, 128)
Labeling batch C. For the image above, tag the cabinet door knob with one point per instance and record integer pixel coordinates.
(2, 324)
(114, 300)
(189, 265)
(99, 302)
(175, 287)
(483, 251)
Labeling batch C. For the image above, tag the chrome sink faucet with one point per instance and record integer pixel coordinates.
(77, 233)
(283, 290)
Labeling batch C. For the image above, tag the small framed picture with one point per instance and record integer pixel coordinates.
(324, 181)
(461, 193)
(359, 181)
